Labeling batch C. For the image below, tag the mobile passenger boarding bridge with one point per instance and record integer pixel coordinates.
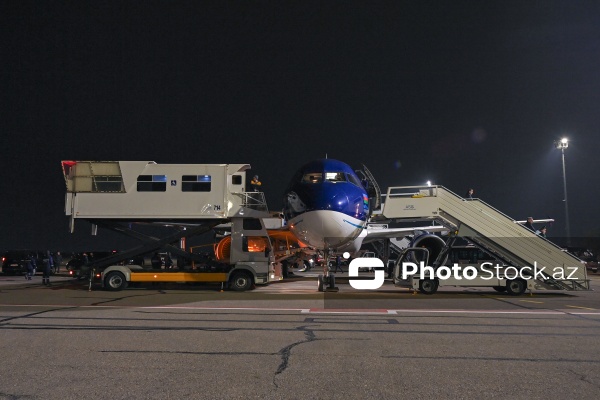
(490, 230)
(189, 198)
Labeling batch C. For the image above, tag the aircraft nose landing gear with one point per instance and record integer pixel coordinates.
(326, 281)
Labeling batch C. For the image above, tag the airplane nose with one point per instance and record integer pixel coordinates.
(339, 202)
(324, 229)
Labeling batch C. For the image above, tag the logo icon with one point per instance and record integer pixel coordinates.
(364, 262)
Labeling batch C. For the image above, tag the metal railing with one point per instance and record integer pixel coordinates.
(254, 200)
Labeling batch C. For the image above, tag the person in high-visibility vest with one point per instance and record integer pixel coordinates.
(256, 184)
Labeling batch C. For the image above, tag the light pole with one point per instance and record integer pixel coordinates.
(562, 144)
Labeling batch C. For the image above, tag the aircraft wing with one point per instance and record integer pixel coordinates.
(374, 233)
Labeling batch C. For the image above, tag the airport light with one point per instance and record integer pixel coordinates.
(562, 144)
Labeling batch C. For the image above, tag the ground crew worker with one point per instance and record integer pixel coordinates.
(30, 267)
(57, 262)
(529, 224)
(168, 261)
(256, 184)
(48, 265)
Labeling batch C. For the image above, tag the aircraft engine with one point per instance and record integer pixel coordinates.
(431, 242)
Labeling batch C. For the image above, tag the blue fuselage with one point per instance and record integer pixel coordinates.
(325, 204)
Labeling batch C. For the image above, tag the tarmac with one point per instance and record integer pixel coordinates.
(8, 280)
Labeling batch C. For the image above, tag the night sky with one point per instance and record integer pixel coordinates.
(465, 94)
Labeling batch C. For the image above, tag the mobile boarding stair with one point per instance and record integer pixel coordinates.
(490, 230)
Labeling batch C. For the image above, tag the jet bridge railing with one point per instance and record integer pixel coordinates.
(253, 200)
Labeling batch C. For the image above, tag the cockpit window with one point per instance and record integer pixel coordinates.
(312, 177)
(354, 179)
(335, 176)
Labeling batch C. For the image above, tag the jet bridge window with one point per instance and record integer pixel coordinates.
(312, 177)
(335, 176)
(195, 183)
(236, 179)
(109, 183)
(152, 183)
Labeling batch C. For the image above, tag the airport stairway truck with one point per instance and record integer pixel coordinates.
(526, 261)
(183, 199)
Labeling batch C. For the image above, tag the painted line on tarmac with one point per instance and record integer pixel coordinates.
(530, 312)
(69, 307)
(376, 311)
(345, 311)
(585, 308)
(583, 313)
(540, 312)
(531, 301)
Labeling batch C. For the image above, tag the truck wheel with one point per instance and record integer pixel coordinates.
(428, 286)
(115, 281)
(240, 281)
(516, 287)
(500, 289)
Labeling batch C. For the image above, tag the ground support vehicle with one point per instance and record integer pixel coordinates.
(525, 260)
(250, 262)
(79, 265)
(587, 256)
(489, 273)
(182, 200)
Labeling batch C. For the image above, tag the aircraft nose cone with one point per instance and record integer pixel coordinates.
(326, 229)
(338, 202)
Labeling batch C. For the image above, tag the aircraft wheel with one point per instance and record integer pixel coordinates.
(428, 286)
(115, 281)
(321, 283)
(500, 289)
(516, 287)
(331, 281)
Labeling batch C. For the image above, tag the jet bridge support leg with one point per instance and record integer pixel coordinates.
(150, 243)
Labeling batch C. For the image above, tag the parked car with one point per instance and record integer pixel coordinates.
(587, 256)
(318, 260)
(78, 264)
(14, 262)
(78, 268)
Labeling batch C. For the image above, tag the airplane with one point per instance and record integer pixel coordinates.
(327, 207)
